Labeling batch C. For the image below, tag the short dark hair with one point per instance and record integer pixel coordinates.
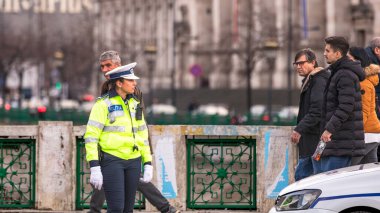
(309, 54)
(360, 54)
(338, 43)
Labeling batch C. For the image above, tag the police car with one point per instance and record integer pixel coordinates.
(347, 190)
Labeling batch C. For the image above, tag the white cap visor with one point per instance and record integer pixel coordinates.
(125, 71)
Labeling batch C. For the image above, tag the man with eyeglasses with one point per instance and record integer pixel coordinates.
(110, 60)
(306, 133)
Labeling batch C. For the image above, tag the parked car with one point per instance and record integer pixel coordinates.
(347, 190)
(288, 113)
(257, 111)
(260, 112)
(157, 109)
(211, 109)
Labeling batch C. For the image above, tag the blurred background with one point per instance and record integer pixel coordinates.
(200, 61)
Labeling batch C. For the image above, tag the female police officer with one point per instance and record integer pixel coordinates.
(118, 128)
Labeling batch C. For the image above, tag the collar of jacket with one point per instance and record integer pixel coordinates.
(335, 66)
(371, 73)
(347, 64)
(112, 93)
(307, 78)
(372, 69)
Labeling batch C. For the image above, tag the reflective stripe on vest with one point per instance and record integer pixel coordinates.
(91, 140)
(95, 124)
(114, 129)
(142, 128)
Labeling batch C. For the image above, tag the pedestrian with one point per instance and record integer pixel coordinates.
(306, 133)
(108, 61)
(370, 121)
(342, 117)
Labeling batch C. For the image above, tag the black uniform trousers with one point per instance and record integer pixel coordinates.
(120, 180)
(150, 192)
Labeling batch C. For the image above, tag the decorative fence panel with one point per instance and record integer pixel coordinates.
(221, 173)
(17, 173)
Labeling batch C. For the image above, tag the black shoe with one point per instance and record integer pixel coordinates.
(172, 209)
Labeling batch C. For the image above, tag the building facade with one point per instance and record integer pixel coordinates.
(212, 43)
(245, 45)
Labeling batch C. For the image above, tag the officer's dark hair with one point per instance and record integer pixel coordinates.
(109, 84)
(309, 54)
(338, 43)
(360, 54)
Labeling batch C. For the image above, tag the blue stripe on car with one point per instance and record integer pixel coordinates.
(343, 196)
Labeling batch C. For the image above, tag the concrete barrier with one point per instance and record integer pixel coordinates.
(56, 160)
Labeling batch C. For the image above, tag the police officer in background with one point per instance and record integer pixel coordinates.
(110, 60)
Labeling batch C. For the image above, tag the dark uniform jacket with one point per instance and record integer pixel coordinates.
(310, 107)
(342, 110)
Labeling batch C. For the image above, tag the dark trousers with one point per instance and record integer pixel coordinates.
(369, 157)
(120, 180)
(150, 192)
(305, 168)
(329, 163)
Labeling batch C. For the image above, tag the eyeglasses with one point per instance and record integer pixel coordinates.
(300, 63)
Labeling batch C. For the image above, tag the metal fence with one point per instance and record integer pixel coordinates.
(221, 173)
(17, 173)
(23, 116)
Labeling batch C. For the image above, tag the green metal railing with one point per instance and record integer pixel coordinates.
(24, 116)
(84, 189)
(221, 173)
(17, 173)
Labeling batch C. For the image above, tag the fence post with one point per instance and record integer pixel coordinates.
(55, 187)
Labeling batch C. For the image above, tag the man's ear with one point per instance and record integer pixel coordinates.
(377, 51)
(338, 54)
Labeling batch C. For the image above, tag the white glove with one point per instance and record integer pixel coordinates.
(96, 177)
(148, 173)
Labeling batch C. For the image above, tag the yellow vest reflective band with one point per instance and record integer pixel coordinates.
(112, 125)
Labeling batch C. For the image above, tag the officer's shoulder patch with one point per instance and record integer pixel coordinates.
(104, 96)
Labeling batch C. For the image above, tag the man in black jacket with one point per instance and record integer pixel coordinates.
(342, 117)
(306, 134)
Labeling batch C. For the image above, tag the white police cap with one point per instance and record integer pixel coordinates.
(125, 71)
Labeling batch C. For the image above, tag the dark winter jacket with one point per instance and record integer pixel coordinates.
(310, 107)
(342, 109)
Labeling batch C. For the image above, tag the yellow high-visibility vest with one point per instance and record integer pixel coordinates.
(113, 126)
